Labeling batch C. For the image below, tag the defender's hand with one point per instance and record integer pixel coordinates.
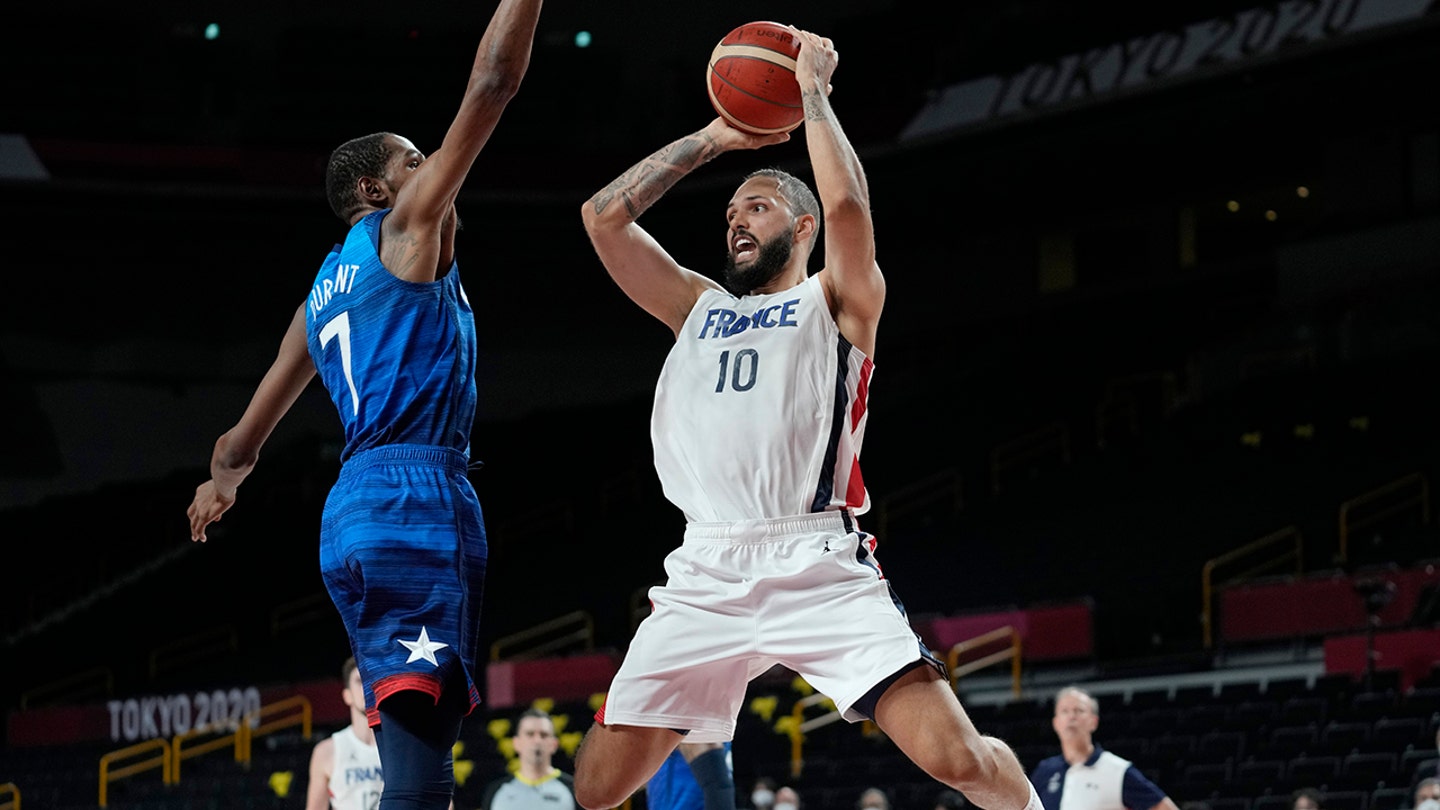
(208, 506)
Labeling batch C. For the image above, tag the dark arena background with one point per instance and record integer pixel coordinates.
(1154, 409)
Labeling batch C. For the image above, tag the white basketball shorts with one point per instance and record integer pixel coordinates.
(805, 592)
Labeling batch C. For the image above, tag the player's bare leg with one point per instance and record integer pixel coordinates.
(926, 721)
(615, 761)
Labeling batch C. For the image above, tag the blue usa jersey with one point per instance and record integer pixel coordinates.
(397, 357)
(673, 787)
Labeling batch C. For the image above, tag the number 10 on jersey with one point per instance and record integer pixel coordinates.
(740, 374)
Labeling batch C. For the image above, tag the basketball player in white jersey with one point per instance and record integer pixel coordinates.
(345, 767)
(345, 771)
(758, 419)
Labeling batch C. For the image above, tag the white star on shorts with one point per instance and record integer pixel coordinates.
(422, 647)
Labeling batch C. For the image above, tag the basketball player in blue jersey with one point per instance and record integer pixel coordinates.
(758, 418)
(388, 328)
(696, 776)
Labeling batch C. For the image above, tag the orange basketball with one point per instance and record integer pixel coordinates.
(752, 78)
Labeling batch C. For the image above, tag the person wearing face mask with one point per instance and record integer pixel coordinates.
(763, 796)
(873, 798)
(1307, 798)
(786, 798)
(1427, 794)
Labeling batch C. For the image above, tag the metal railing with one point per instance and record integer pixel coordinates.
(1289, 535)
(798, 727)
(1120, 402)
(206, 644)
(171, 753)
(111, 773)
(558, 634)
(1012, 653)
(301, 612)
(96, 682)
(640, 604)
(942, 491)
(1349, 522)
(265, 722)
(231, 738)
(1052, 440)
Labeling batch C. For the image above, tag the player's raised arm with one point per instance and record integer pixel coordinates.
(642, 268)
(852, 277)
(500, 63)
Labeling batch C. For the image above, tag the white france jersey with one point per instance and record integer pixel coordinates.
(356, 779)
(760, 409)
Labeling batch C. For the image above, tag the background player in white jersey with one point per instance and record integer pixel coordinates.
(345, 772)
(345, 767)
(759, 413)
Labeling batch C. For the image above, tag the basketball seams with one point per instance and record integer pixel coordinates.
(723, 51)
(751, 79)
(720, 108)
(765, 99)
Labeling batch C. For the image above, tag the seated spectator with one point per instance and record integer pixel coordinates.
(1307, 798)
(873, 798)
(1427, 794)
(950, 800)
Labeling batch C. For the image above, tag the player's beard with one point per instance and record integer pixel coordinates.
(767, 264)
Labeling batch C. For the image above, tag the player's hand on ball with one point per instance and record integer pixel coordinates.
(728, 137)
(817, 60)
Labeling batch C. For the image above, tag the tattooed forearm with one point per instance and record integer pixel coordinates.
(644, 183)
(815, 106)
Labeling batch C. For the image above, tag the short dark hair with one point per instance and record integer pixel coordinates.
(346, 668)
(365, 156)
(795, 191)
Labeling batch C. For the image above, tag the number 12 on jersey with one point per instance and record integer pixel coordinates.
(741, 374)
